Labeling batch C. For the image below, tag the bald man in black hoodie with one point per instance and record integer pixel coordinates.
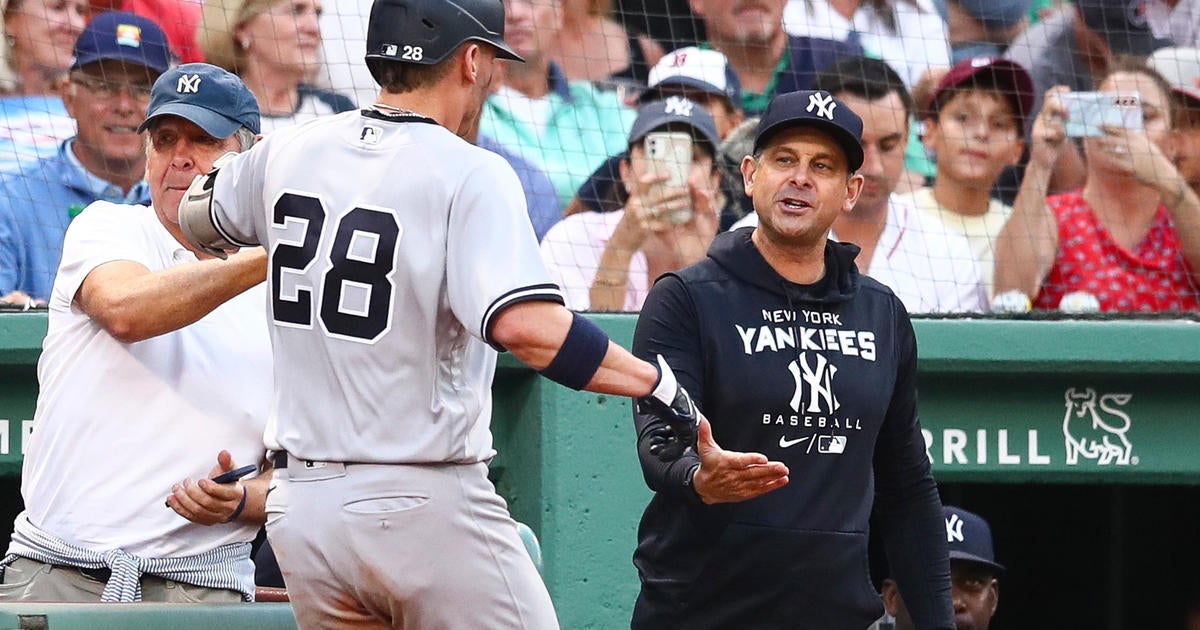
(807, 371)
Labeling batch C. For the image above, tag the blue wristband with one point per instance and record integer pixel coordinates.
(241, 506)
(580, 355)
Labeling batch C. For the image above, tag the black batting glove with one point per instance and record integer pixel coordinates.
(672, 404)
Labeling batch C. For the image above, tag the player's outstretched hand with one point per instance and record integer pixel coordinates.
(729, 476)
(207, 502)
(672, 403)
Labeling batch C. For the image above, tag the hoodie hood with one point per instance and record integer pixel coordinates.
(736, 253)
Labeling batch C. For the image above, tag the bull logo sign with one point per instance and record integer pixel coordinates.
(1095, 427)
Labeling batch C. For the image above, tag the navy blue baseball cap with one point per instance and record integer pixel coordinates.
(124, 37)
(969, 538)
(814, 108)
(676, 110)
(209, 96)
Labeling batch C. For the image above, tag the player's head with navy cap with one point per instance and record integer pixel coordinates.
(970, 539)
(814, 109)
(973, 573)
(801, 174)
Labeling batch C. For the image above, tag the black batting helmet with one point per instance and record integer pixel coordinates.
(427, 31)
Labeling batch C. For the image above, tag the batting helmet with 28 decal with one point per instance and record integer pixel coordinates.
(427, 31)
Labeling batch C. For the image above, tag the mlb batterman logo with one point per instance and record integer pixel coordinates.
(188, 84)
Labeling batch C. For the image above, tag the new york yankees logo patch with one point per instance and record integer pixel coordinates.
(823, 103)
(188, 84)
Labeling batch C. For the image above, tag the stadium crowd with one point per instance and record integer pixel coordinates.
(1025, 196)
(1018, 155)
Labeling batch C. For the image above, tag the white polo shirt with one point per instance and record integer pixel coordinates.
(117, 424)
(926, 264)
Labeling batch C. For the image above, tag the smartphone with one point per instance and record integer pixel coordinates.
(235, 474)
(670, 152)
(1087, 112)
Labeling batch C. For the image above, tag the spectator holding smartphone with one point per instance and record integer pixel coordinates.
(608, 260)
(1130, 237)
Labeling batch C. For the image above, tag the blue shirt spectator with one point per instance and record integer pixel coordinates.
(540, 197)
(117, 59)
(37, 203)
(31, 128)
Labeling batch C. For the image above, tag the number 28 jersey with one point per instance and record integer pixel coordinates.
(393, 245)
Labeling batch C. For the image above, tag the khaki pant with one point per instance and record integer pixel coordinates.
(32, 581)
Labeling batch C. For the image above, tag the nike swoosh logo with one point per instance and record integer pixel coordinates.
(786, 443)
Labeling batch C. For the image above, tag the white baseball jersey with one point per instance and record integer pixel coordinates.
(393, 245)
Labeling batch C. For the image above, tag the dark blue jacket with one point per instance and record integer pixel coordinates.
(820, 377)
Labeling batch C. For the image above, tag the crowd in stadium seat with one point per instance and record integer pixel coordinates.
(562, 119)
(977, 198)
(274, 46)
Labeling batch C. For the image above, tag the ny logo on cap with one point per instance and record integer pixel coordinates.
(679, 106)
(954, 529)
(188, 84)
(678, 59)
(823, 103)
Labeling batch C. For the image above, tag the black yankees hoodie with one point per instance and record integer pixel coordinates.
(821, 377)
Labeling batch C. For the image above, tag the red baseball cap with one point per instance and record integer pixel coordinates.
(1006, 76)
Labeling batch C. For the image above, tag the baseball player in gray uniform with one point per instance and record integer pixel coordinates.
(401, 259)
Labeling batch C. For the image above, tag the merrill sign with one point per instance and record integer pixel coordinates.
(1094, 427)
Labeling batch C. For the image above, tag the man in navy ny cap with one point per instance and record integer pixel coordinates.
(148, 374)
(606, 261)
(117, 58)
(806, 370)
(973, 574)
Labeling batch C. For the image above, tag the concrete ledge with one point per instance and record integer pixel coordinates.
(145, 616)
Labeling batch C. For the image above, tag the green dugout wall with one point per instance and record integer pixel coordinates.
(1009, 407)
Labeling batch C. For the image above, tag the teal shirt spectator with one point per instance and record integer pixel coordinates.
(32, 128)
(584, 127)
(37, 202)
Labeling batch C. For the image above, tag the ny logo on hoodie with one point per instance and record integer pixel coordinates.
(818, 379)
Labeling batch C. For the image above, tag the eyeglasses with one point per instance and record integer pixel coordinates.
(104, 88)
